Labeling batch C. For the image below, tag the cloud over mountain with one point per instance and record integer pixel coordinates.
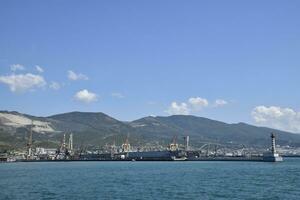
(192, 105)
(23, 82)
(277, 117)
(86, 96)
(178, 109)
(197, 103)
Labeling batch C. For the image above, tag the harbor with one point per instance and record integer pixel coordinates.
(174, 152)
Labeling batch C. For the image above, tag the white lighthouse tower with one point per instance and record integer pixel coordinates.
(273, 148)
(272, 155)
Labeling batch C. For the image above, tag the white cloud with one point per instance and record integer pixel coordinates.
(178, 109)
(54, 85)
(197, 103)
(86, 96)
(16, 67)
(117, 95)
(193, 105)
(220, 102)
(276, 117)
(74, 76)
(39, 68)
(23, 82)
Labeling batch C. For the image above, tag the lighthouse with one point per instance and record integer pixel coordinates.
(273, 148)
(272, 155)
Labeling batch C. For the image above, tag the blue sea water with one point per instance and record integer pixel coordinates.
(151, 180)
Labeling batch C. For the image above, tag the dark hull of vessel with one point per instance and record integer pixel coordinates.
(134, 157)
(159, 156)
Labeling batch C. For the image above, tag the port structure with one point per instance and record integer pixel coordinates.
(187, 142)
(126, 145)
(29, 155)
(275, 155)
(272, 155)
(70, 145)
(63, 144)
(174, 152)
(113, 149)
(273, 147)
(174, 146)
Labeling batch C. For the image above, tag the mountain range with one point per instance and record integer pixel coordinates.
(96, 129)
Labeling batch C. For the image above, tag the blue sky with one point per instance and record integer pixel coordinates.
(131, 59)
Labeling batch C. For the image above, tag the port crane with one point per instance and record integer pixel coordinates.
(174, 146)
(126, 145)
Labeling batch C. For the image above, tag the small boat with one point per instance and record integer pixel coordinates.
(178, 159)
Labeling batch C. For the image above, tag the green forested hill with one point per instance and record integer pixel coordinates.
(97, 129)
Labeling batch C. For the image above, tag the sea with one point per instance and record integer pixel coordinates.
(151, 180)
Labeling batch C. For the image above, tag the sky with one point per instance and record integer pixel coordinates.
(232, 61)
